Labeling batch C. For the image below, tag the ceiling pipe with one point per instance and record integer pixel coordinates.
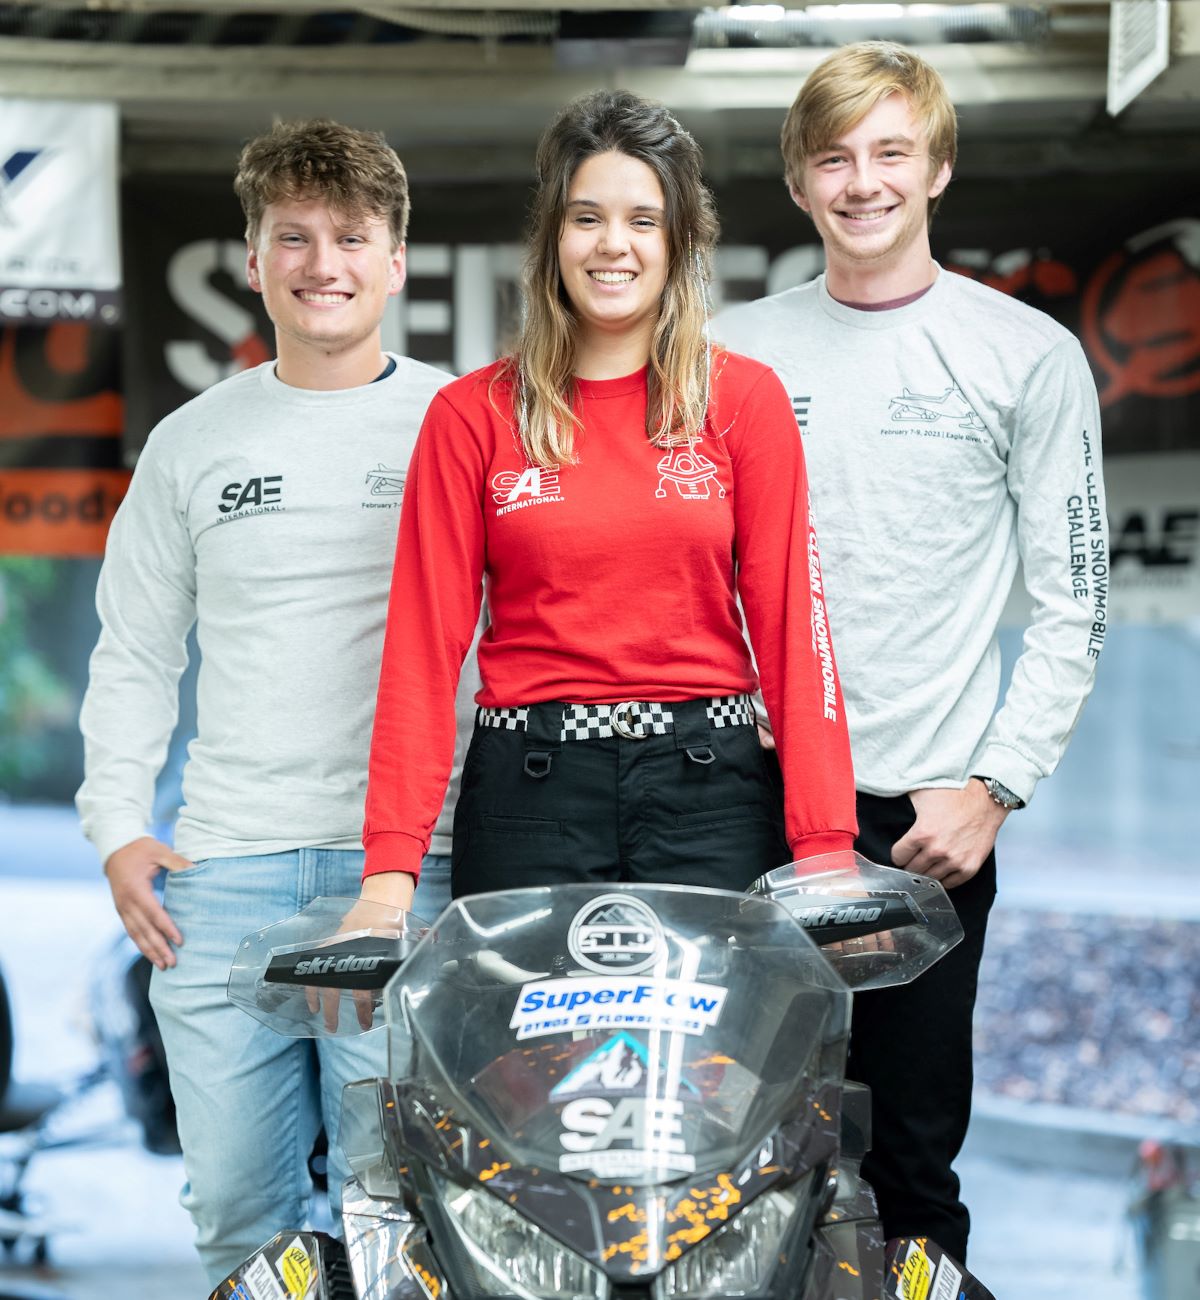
(483, 24)
(773, 27)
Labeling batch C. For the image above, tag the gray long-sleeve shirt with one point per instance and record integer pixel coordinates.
(267, 515)
(945, 440)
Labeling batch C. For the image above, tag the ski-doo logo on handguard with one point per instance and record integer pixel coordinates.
(617, 935)
(848, 914)
(335, 965)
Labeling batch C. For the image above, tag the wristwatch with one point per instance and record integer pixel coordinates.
(1000, 794)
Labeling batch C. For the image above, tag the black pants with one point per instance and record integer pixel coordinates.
(616, 809)
(912, 1045)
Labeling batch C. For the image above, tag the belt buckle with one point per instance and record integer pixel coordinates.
(623, 725)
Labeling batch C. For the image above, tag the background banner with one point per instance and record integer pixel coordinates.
(1154, 515)
(1152, 572)
(59, 241)
(1118, 265)
(61, 418)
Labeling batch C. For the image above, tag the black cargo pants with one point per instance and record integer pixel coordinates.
(693, 807)
(912, 1046)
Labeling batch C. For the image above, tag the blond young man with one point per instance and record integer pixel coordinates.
(950, 432)
(265, 512)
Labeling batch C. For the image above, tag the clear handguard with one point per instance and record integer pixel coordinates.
(321, 973)
(877, 926)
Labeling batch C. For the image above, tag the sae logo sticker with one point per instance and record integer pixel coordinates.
(616, 934)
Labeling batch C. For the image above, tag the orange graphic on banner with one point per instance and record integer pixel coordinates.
(251, 352)
(58, 511)
(1044, 275)
(1141, 324)
(23, 414)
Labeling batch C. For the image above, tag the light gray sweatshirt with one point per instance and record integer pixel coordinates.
(945, 440)
(266, 515)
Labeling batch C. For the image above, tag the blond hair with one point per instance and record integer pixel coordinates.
(843, 89)
(355, 172)
(542, 370)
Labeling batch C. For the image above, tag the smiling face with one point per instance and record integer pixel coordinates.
(325, 280)
(612, 259)
(868, 195)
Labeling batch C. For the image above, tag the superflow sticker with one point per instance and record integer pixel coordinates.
(615, 1002)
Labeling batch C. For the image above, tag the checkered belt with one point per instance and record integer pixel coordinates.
(631, 719)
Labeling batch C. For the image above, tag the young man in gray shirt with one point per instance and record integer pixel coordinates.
(950, 431)
(265, 512)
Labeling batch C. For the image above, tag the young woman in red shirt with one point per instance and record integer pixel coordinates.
(618, 484)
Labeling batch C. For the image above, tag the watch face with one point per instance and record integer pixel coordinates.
(1002, 794)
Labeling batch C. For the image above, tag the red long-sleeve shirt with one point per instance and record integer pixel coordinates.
(610, 579)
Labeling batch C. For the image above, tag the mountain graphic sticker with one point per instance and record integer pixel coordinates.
(617, 1066)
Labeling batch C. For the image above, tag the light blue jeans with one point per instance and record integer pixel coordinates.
(433, 888)
(249, 1102)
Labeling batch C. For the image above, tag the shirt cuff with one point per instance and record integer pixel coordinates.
(811, 846)
(108, 837)
(392, 851)
(1008, 767)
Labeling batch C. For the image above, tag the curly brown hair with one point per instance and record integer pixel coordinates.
(356, 172)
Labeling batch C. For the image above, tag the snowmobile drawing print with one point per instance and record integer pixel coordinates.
(386, 482)
(951, 405)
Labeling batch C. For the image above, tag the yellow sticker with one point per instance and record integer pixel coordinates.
(295, 1268)
(914, 1280)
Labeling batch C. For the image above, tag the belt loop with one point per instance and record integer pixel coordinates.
(543, 738)
(692, 729)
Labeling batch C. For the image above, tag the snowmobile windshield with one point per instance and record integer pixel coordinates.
(642, 1034)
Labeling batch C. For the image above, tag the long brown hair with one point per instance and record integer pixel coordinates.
(542, 371)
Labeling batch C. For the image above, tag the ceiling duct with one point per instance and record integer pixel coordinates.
(483, 24)
(216, 27)
(772, 27)
(629, 40)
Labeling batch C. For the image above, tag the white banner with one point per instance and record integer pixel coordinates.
(1154, 541)
(59, 226)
